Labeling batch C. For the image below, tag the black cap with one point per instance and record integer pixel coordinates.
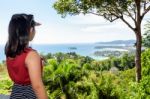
(28, 17)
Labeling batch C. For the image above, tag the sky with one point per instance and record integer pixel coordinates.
(57, 30)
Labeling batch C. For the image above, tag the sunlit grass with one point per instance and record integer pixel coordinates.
(5, 82)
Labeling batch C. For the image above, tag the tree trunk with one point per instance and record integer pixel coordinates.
(138, 41)
(138, 56)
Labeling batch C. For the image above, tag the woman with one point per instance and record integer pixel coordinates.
(24, 63)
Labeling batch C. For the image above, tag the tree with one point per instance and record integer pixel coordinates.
(111, 10)
(146, 38)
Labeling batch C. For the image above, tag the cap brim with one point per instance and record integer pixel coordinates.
(37, 24)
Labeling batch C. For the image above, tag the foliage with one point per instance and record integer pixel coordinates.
(146, 38)
(109, 9)
(146, 62)
(122, 63)
(125, 62)
(100, 7)
(5, 85)
(5, 82)
(69, 80)
(145, 82)
(85, 78)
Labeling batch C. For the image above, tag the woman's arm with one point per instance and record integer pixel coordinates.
(34, 67)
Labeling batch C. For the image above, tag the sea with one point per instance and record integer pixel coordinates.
(86, 49)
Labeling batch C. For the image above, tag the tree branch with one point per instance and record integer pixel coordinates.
(134, 11)
(127, 23)
(95, 13)
(130, 15)
(145, 11)
(144, 5)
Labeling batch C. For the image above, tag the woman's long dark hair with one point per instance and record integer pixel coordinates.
(18, 34)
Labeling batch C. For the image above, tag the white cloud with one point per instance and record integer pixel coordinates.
(87, 19)
(74, 29)
(118, 27)
(85, 31)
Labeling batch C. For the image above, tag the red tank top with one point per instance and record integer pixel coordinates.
(17, 70)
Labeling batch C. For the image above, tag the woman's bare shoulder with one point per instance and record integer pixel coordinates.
(32, 56)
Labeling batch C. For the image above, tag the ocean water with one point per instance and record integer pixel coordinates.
(86, 49)
(81, 49)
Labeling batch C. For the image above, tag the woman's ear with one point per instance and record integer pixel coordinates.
(31, 29)
(31, 34)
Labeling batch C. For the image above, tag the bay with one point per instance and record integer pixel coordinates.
(86, 49)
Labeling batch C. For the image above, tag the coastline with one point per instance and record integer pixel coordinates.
(83, 49)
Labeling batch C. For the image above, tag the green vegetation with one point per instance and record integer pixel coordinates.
(77, 77)
(70, 76)
(146, 36)
(111, 10)
(5, 82)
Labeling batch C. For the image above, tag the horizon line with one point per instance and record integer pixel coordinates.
(76, 42)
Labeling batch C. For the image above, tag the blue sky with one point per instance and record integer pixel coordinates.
(54, 29)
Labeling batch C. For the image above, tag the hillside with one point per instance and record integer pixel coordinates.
(126, 42)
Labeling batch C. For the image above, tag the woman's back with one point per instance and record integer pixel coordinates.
(17, 68)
